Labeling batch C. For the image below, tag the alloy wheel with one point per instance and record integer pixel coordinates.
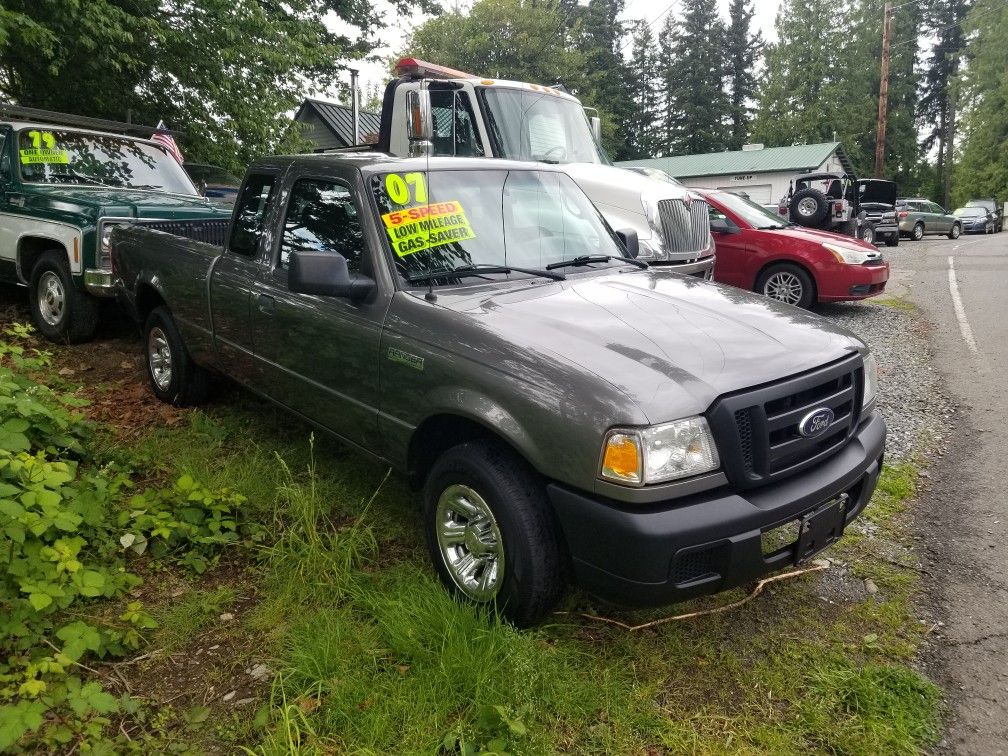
(807, 207)
(784, 287)
(159, 358)
(918, 232)
(470, 542)
(51, 298)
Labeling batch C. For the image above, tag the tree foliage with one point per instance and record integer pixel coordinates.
(983, 170)
(743, 47)
(226, 72)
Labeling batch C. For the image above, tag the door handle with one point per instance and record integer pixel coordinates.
(267, 304)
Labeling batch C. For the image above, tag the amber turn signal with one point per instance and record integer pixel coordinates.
(621, 460)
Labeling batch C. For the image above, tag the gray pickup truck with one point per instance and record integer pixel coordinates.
(567, 411)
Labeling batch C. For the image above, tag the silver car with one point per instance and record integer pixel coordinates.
(918, 217)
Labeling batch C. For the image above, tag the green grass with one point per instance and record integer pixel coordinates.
(373, 656)
(193, 611)
(897, 303)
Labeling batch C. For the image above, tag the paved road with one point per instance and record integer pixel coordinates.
(962, 287)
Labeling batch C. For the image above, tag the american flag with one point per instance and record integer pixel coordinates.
(162, 137)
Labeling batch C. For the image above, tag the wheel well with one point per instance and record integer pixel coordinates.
(147, 298)
(802, 266)
(436, 435)
(30, 248)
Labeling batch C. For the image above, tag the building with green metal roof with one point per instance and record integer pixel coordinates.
(763, 173)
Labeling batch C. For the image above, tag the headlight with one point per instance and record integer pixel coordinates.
(870, 380)
(105, 245)
(660, 453)
(849, 255)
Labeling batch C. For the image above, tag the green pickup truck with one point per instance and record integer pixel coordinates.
(567, 410)
(62, 191)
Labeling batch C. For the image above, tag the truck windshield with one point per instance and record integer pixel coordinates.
(52, 156)
(529, 125)
(452, 219)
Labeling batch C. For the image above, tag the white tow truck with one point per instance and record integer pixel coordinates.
(433, 110)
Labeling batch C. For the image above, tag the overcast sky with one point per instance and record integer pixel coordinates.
(375, 73)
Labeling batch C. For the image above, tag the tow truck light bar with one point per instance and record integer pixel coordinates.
(421, 69)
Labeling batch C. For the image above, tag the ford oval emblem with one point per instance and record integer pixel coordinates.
(816, 422)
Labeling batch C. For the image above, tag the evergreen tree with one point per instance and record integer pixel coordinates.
(797, 97)
(695, 79)
(983, 171)
(668, 112)
(938, 98)
(742, 52)
(642, 134)
(606, 85)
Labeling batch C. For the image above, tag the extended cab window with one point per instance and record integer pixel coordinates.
(321, 217)
(251, 207)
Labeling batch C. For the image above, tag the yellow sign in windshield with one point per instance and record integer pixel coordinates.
(415, 229)
(43, 155)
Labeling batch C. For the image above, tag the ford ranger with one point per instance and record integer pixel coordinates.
(566, 409)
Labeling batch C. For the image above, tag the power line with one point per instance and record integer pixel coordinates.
(997, 6)
(649, 24)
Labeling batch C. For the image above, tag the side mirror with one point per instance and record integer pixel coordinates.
(419, 122)
(325, 274)
(596, 128)
(722, 226)
(629, 238)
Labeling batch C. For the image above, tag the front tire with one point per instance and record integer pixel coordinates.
(489, 531)
(789, 284)
(61, 312)
(954, 233)
(892, 240)
(868, 234)
(174, 377)
(918, 231)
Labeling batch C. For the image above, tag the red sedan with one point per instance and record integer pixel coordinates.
(760, 251)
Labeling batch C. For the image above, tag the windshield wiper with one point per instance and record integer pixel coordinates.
(479, 270)
(589, 259)
(145, 186)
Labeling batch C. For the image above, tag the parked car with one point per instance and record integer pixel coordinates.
(759, 251)
(832, 202)
(918, 217)
(565, 408)
(976, 220)
(217, 184)
(877, 210)
(62, 191)
(992, 206)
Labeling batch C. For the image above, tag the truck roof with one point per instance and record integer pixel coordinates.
(46, 126)
(379, 162)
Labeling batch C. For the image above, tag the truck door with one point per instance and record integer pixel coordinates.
(319, 355)
(243, 261)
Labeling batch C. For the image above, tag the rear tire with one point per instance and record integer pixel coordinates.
(490, 532)
(61, 311)
(789, 284)
(954, 233)
(918, 231)
(174, 377)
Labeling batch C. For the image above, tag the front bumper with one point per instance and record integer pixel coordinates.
(702, 268)
(99, 283)
(849, 282)
(883, 230)
(711, 541)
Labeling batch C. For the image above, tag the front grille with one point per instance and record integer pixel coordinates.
(757, 429)
(685, 228)
(208, 230)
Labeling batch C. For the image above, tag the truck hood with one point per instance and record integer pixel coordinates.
(607, 185)
(121, 202)
(670, 343)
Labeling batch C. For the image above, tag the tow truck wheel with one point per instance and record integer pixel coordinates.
(174, 377)
(62, 312)
(490, 533)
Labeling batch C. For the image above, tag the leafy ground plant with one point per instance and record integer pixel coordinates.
(70, 529)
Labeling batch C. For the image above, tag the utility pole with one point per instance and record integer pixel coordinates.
(883, 98)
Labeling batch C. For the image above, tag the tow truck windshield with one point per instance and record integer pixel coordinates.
(529, 125)
(445, 220)
(54, 156)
